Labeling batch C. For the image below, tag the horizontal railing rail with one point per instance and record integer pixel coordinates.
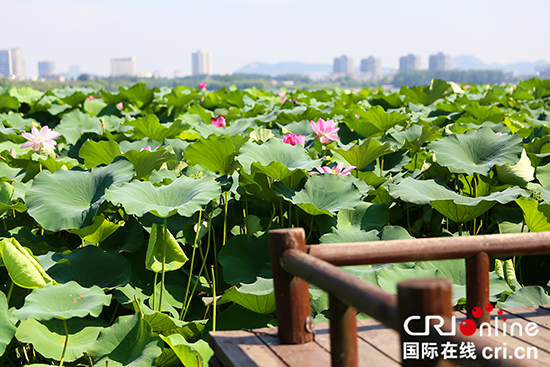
(293, 269)
(427, 249)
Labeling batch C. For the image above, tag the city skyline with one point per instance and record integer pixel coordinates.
(238, 32)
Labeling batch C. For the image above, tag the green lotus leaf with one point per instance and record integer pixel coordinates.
(258, 297)
(244, 258)
(365, 217)
(525, 297)
(519, 174)
(48, 337)
(322, 194)
(23, 268)
(98, 231)
(76, 123)
(129, 342)
(477, 151)
(458, 208)
(98, 153)
(374, 121)
(6, 194)
(275, 158)
(536, 216)
(145, 161)
(74, 99)
(190, 354)
(150, 127)
(174, 256)
(26, 94)
(216, 154)
(427, 95)
(63, 302)
(7, 329)
(139, 95)
(184, 196)
(343, 236)
(127, 238)
(91, 266)
(364, 154)
(8, 103)
(351, 234)
(234, 128)
(74, 196)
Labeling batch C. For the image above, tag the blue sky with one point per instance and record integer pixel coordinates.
(162, 34)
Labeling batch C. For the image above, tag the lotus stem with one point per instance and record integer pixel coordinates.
(310, 229)
(203, 265)
(382, 166)
(155, 292)
(64, 345)
(281, 222)
(184, 308)
(163, 263)
(225, 218)
(214, 301)
(9, 293)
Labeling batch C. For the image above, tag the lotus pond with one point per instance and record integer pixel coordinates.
(133, 223)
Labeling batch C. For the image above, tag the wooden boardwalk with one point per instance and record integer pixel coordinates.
(377, 344)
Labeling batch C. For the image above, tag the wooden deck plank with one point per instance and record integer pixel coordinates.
(309, 354)
(369, 355)
(242, 348)
(378, 345)
(380, 337)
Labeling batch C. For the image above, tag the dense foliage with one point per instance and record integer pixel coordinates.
(135, 222)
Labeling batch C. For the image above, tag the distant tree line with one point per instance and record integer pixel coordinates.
(424, 77)
(243, 81)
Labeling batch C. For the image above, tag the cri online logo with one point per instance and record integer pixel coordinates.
(467, 327)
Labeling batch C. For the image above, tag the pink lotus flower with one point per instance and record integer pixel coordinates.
(325, 131)
(38, 139)
(120, 105)
(91, 98)
(335, 170)
(281, 94)
(13, 153)
(294, 139)
(148, 147)
(218, 121)
(202, 85)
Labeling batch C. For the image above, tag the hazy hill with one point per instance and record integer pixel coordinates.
(462, 62)
(469, 62)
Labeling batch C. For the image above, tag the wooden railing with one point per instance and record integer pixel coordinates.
(294, 265)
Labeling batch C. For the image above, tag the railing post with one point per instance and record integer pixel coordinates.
(343, 333)
(294, 322)
(421, 297)
(477, 286)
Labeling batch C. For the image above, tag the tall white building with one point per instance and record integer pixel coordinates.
(123, 67)
(202, 63)
(409, 62)
(440, 61)
(11, 63)
(371, 65)
(343, 64)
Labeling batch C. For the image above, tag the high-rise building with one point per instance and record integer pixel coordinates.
(202, 63)
(11, 63)
(46, 69)
(123, 67)
(343, 64)
(371, 65)
(409, 62)
(74, 72)
(440, 61)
